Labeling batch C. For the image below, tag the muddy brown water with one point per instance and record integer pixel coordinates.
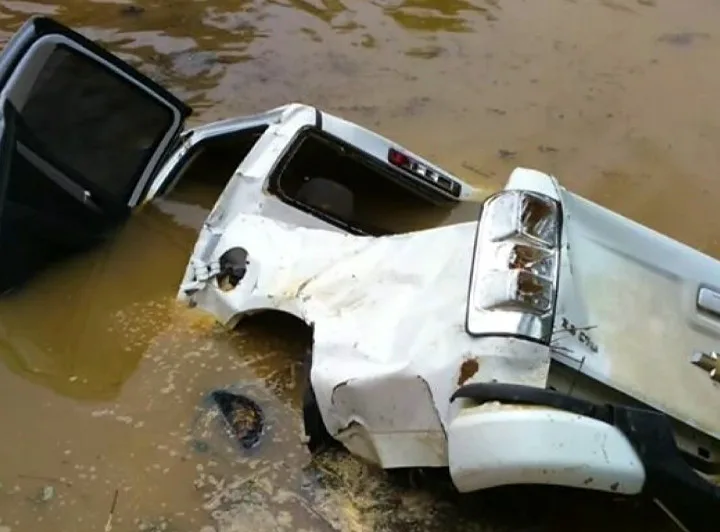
(104, 380)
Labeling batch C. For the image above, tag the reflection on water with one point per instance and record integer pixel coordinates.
(325, 10)
(427, 15)
(73, 328)
(104, 380)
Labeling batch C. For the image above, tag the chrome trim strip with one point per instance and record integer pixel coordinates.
(709, 300)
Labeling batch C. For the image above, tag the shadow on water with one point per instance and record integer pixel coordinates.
(65, 328)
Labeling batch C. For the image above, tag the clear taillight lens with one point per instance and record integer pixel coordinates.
(514, 277)
(514, 291)
(522, 215)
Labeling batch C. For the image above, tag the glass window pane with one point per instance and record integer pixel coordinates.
(93, 121)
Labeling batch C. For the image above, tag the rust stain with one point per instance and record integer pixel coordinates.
(467, 369)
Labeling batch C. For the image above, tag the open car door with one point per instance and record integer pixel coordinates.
(88, 134)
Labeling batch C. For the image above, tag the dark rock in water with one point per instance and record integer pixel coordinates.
(243, 416)
(244, 421)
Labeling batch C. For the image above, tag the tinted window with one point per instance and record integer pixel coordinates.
(328, 179)
(39, 221)
(93, 122)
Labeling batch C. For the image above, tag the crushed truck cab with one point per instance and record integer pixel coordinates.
(551, 341)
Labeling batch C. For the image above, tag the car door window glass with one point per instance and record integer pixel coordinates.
(93, 121)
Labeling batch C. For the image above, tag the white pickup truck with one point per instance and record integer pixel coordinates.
(547, 341)
(550, 342)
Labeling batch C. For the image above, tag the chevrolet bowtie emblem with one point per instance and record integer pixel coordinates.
(710, 362)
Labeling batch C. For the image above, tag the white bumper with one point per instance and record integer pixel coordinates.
(497, 444)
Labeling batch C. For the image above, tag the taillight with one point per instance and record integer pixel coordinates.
(424, 172)
(399, 159)
(515, 266)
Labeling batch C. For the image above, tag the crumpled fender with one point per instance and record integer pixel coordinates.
(384, 341)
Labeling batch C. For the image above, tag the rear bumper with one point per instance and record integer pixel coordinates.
(498, 444)
(554, 427)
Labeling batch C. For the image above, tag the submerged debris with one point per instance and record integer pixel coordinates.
(547, 149)
(684, 38)
(243, 416)
(46, 494)
(111, 512)
(200, 446)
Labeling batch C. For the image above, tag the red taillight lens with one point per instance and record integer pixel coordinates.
(398, 159)
(423, 172)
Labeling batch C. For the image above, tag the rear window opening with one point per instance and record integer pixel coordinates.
(339, 183)
(210, 165)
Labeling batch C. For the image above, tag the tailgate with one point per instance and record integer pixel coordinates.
(649, 301)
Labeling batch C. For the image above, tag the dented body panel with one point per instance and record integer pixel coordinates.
(383, 342)
(631, 294)
(393, 340)
(629, 313)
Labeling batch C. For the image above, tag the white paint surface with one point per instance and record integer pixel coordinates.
(387, 350)
(495, 445)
